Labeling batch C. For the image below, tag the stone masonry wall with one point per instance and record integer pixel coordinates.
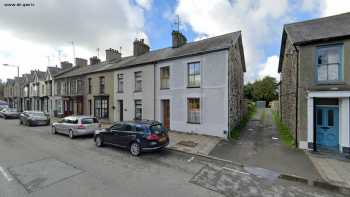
(235, 84)
(288, 88)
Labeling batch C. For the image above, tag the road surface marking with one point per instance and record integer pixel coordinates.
(7, 176)
(234, 170)
(191, 159)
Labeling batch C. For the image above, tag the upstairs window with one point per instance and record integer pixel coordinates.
(194, 74)
(138, 81)
(164, 77)
(120, 83)
(102, 85)
(329, 63)
(89, 86)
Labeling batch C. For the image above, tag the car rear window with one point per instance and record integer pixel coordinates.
(12, 110)
(157, 129)
(89, 121)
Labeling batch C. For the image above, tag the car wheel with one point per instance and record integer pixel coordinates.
(71, 134)
(99, 141)
(53, 130)
(135, 149)
(5, 117)
(20, 122)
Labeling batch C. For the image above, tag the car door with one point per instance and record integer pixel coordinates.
(59, 125)
(111, 137)
(126, 135)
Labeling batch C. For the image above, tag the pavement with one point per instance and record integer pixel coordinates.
(36, 163)
(192, 143)
(259, 146)
(333, 168)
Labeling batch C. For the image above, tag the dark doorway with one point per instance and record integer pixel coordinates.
(166, 113)
(121, 108)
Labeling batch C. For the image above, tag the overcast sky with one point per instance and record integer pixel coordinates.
(34, 36)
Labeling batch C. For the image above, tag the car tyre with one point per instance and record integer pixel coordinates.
(99, 141)
(5, 117)
(135, 149)
(71, 134)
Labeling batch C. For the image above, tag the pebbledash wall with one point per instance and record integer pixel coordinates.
(213, 94)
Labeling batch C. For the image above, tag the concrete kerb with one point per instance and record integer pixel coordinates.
(289, 177)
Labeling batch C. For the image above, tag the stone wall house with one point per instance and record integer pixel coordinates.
(315, 82)
(49, 97)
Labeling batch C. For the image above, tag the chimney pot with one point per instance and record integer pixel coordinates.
(140, 47)
(112, 54)
(94, 60)
(66, 65)
(80, 62)
(178, 39)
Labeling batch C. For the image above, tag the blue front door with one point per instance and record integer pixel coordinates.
(327, 127)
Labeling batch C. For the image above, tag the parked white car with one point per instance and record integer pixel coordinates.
(76, 126)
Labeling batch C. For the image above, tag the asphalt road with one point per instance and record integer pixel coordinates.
(33, 162)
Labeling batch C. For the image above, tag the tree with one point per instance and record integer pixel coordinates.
(264, 89)
(248, 91)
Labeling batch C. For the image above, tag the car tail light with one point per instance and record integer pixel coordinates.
(81, 127)
(152, 137)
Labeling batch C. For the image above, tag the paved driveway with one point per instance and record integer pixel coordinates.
(259, 147)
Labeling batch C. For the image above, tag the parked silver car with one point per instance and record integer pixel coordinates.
(76, 126)
(34, 118)
(9, 113)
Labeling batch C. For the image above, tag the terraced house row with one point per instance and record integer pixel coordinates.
(190, 87)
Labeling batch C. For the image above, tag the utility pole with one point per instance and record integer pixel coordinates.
(59, 55)
(98, 53)
(48, 60)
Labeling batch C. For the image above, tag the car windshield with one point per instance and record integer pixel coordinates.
(157, 129)
(89, 121)
(36, 113)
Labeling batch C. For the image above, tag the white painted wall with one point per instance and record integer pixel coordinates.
(213, 94)
(129, 96)
(344, 114)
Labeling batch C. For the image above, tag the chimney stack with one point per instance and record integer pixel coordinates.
(178, 39)
(140, 47)
(94, 60)
(66, 65)
(80, 61)
(112, 54)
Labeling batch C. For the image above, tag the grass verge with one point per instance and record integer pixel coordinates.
(283, 131)
(235, 132)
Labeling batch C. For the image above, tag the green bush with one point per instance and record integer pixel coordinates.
(283, 131)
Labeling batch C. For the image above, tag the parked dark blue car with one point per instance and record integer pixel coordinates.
(137, 136)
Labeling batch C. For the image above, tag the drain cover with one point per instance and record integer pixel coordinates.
(188, 143)
(43, 173)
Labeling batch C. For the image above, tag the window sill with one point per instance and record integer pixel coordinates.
(193, 122)
(119, 92)
(137, 91)
(164, 88)
(330, 83)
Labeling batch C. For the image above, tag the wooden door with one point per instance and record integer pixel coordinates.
(166, 113)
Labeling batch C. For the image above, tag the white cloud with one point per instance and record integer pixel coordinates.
(270, 67)
(146, 4)
(29, 35)
(260, 21)
(333, 7)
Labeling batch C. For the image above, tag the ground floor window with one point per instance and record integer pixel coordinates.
(138, 109)
(101, 106)
(193, 108)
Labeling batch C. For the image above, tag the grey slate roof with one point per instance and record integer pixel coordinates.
(316, 30)
(193, 48)
(53, 70)
(41, 75)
